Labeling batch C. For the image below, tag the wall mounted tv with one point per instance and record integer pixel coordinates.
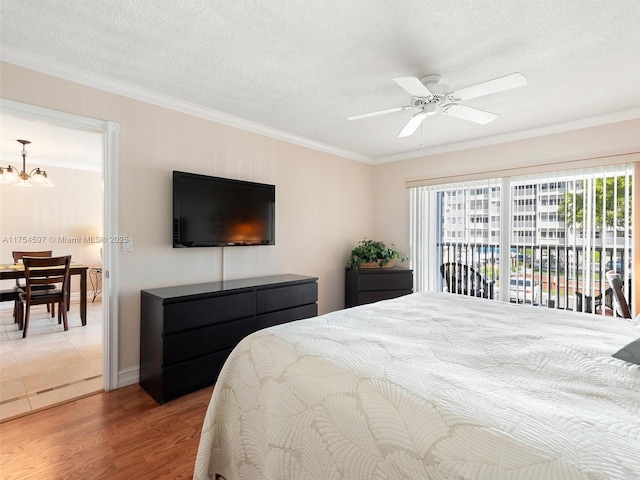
(220, 212)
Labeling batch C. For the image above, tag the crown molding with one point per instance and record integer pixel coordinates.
(622, 116)
(65, 71)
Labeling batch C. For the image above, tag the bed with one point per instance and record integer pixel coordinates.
(428, 386)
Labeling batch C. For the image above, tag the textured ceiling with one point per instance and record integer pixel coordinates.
(51, 145)
(303, 67)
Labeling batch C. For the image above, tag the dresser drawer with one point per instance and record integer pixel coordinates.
(375, 296)
(181, 316)
(283, 316)
(192, 375)
(385, 281)
(195, 343)
(272, 299)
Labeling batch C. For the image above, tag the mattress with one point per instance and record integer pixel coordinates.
(428, 386)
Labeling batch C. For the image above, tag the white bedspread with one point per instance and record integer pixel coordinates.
(428, 386)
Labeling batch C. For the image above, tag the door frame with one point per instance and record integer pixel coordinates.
(110, 133)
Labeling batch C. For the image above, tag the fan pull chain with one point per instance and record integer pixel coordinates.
(422, 135)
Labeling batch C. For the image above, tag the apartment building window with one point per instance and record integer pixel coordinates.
(584, 230)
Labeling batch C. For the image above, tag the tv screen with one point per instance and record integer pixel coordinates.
(219, 212)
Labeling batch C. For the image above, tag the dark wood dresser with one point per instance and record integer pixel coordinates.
(187, 332)
(368, 285)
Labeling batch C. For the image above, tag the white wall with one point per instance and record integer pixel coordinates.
(616, 142)
(72, 209)
(324, 203)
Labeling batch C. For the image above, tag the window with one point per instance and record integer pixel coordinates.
(560, 231)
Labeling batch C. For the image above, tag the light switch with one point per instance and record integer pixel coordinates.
(127, 246)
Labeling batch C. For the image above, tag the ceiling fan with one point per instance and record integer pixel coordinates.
(428, 96)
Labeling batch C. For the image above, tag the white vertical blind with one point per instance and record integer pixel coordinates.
(424, 232)
(458, 222)
(558, 233)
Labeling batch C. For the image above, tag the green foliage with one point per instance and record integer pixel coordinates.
(490, 271)
(571, 209)
(368, 251)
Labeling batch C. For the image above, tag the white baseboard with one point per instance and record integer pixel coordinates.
(128, 377)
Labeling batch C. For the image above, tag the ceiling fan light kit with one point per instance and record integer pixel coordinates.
(417, 120)
(428, 96)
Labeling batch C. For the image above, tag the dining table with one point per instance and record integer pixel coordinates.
(13, 271)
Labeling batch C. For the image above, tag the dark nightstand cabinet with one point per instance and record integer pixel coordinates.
(187, 332)
(369, 285)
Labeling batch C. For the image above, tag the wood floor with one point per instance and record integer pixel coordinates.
(122, 434)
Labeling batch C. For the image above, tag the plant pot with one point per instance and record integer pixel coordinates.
(389, 264)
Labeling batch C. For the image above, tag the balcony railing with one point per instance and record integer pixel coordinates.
(547, 275)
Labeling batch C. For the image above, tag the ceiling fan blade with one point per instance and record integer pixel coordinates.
(381, 112)
(496, 85)
(468, 113)
(413, 85)
(413, 124)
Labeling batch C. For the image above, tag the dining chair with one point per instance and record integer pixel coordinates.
(622, 307)
(10, 295)
(20, 286)
(43, 271)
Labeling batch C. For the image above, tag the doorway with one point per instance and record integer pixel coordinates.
(97, 373)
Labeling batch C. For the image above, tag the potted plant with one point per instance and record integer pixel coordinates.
(374, 254)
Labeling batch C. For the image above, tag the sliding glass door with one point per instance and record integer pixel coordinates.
(539, 239)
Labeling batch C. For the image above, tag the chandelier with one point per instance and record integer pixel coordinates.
(37, 176)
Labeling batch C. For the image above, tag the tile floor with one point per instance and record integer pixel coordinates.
(50, 366)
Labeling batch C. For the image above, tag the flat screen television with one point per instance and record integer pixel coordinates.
(220, 212)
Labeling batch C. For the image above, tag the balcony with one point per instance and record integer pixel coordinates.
(546, 275)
